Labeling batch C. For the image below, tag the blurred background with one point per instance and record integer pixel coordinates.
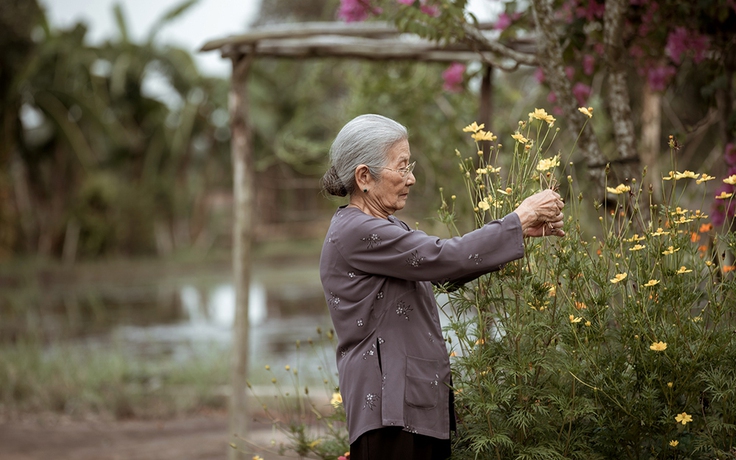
(116, 191)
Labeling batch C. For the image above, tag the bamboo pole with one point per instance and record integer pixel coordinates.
(243, 193)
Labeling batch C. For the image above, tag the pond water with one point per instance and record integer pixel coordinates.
(151, 312)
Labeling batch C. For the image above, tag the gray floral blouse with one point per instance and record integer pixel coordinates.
(377, 274)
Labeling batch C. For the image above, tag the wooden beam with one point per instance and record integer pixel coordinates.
(357, 47)
(243, 228)
(303, 30)
(371, 40)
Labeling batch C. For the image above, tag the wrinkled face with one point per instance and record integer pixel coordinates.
(392, 189)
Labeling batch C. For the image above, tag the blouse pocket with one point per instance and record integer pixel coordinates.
(422, 383)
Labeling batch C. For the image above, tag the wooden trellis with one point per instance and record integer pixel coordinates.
(365, 40)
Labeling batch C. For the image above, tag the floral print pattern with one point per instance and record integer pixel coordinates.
(415, 260)
(372, 240)
(371, 399)
(402, 309)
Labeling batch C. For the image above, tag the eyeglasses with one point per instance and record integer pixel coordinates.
(404, 171)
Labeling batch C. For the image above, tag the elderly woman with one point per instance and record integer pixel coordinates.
(377, 274)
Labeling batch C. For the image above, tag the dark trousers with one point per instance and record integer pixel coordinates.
(393, 443)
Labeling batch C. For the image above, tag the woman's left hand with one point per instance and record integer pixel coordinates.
(547, 228)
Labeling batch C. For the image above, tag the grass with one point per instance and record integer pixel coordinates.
(76, 381)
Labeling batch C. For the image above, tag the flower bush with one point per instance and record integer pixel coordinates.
(612, 343)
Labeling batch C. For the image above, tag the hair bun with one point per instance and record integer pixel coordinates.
(332, 184)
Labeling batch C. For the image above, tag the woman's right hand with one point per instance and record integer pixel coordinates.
(541, 214)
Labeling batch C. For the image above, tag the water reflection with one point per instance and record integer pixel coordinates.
(277, 319)
(169, 316)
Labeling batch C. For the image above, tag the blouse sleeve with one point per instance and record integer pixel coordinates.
(381, 247)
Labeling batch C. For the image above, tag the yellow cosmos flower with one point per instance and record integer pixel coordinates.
(587, 112)
(588, 323)
(660, 232)
(504, 192)
(541, 114)
(684, 418)
(674, 443)
(651, 283)
(637, 247)
(686, 175)
(484, 205)
(658, 346)
(678, 211)
(257, 457)
(621, 188)
(548, 163)
(492, 170)
(671, 176)
(473, 127)
(724, 195)
(682, 270)
(730, 180)
(336, 400)
(484, 136)
(618, 278)
(670, 250)
(704, 178)
(574, 319)
(520, 138)
(636, 238)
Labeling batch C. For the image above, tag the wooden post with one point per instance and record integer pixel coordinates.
(486, 104)
(243, 226)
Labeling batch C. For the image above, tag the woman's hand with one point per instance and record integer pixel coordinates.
(541, 214)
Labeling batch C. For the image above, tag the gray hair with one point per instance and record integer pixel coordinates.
(365, 139)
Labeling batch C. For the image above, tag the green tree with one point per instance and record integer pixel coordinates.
(17, 20)
(113, 166)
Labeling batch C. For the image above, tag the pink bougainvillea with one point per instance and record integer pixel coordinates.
(682, 41)
(453, 77)
(356, 10)
(539, 75)
(581, 91)
(503, 22)
(591, 11)
(424, 7)
(430, 10)
(659, 77)
(588, 64)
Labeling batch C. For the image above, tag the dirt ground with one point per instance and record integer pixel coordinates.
(197, 437)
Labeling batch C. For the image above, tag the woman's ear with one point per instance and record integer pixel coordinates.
(363, 178)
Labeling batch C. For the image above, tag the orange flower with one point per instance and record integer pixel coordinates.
(705, 228)
(694, 237)
(729, 268)
(703, 248)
